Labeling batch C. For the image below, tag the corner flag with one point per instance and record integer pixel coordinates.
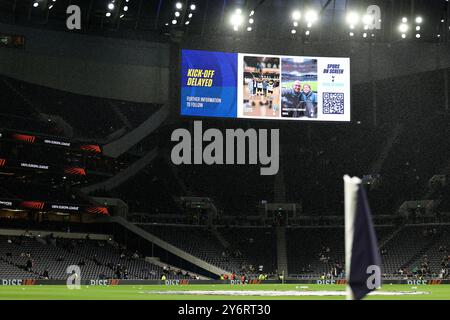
(362, 257)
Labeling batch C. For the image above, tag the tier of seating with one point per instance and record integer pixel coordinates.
(411, 250)
(312, 251)
(50, 189)
(16, 113)
(413, 243)
(90, 117)
(256, 245)
(421, 151)
(201, 243)
(33, 257)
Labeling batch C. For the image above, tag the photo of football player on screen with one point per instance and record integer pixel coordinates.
(261, 83)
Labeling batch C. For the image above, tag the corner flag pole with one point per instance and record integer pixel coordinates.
(350, 197)
(362, 256)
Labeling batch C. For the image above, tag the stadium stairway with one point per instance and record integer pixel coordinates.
(175, 173)
(393, 137)
(415, 260)
(13, 271)
(120, 146)
(169, 247)
(66, 129)
(25, 100)
(122, 117)
(280, 187)
(445, 171)
(157, 261)
(408, 244)
(119, 206)
(282, 259)
(124, 175)
(219, 237)
(389, 238)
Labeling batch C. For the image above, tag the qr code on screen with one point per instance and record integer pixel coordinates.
(333, 103)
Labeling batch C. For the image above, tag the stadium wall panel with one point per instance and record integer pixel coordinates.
(103, 67)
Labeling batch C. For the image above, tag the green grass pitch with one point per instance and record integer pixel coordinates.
(137, 292)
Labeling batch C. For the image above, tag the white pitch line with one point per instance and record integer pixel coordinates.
(280, 293)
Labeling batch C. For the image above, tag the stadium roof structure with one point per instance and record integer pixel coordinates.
(310, 20)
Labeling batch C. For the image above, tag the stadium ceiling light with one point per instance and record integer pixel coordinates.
(352, 26)
(307, 32)
(404, 20)
(293, 31)
(238, 11)
(417, 28)
(251, 21)
(418, 35)
(51, 6)
(177, 14)
(108, 14)
(368, 19)
(193, 7)
(236, 19)
(174, 21)
(249, 29)
(125, 8)
(311, 16)
(295, 23)
(352, 18)
(122, 15)
(351, 34)
(190, 15)
(296, 15)
(111, 6)
(187, 22)
(419, 20)
(235, 28)
(179, 5)
(35, 4)
(403, 35)
(366, 27)
(442, 20)
(364, 35)
(251, 13)
(403, 28)
(309, 25)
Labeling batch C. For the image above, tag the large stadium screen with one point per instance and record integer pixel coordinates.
(256, 86)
